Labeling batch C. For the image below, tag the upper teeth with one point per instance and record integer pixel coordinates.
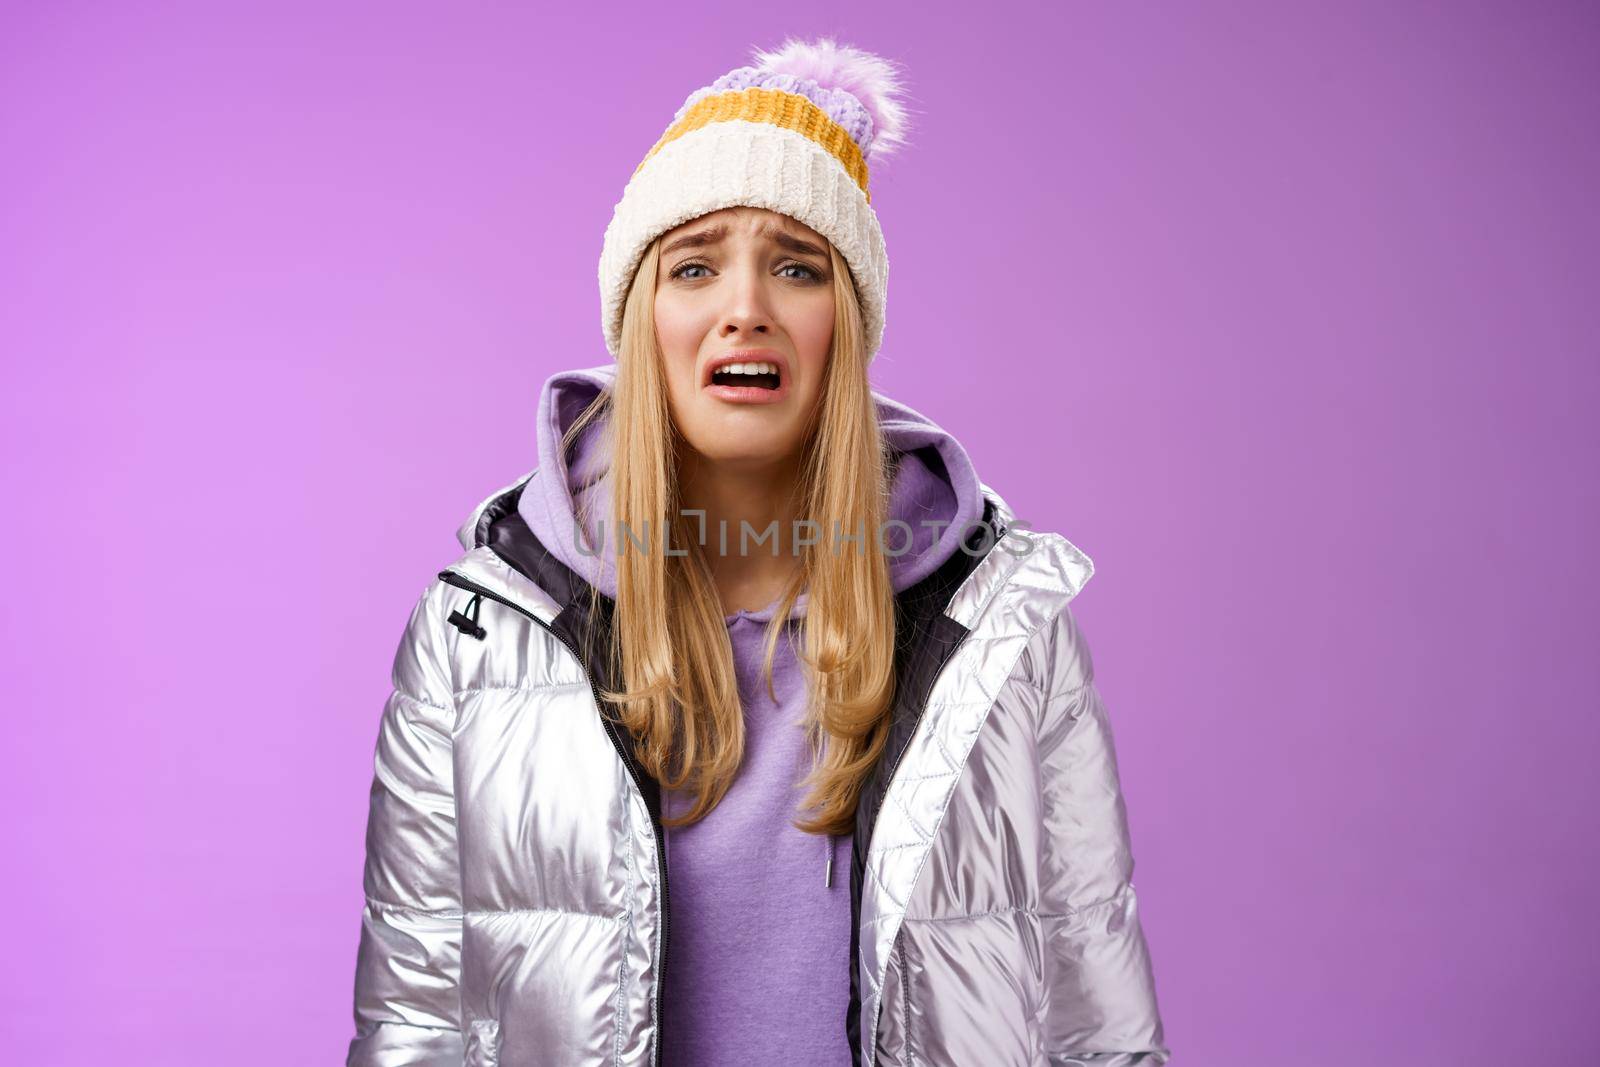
(748, 368)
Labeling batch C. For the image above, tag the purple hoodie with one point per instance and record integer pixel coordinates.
(760, 952)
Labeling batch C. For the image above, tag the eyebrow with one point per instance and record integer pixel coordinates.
(714, 234)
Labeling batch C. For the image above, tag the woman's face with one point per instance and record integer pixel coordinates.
(756, 286)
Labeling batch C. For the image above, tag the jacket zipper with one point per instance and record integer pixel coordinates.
(461, 582)
(944, 661)
(888, 783)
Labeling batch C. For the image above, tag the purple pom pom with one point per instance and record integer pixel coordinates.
(857, 89)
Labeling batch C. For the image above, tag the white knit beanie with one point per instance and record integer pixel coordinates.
(793, 134)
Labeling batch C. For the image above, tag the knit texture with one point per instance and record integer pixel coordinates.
(843, 108)
(787, 111)
(795, 134)
(742, 163)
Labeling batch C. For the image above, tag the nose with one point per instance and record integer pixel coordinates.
(749, 307)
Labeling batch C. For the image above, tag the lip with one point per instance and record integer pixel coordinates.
(747, 394)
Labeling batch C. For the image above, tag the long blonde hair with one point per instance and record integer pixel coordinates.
(670, 649)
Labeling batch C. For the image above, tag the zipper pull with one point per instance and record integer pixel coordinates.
(470, 625)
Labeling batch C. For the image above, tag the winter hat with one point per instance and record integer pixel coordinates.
(795, 134)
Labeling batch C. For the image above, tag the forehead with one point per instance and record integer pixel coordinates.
(757, 222)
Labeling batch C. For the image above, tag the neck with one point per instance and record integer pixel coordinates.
(747, 575)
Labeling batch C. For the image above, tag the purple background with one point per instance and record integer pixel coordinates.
(1286, 315)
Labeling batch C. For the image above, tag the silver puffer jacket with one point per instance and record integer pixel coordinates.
(517, 911)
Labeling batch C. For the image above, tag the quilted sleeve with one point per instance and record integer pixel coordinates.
(1101, 1006)
(407, 1003)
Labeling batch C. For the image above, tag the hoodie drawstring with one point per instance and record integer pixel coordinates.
(827, 876)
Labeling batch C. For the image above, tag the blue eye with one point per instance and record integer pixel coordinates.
(681, 271)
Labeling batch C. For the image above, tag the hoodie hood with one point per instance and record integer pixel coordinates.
(934, 481)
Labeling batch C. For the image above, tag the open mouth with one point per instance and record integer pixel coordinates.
(759, 375)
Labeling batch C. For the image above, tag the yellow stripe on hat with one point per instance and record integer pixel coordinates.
(788, 110)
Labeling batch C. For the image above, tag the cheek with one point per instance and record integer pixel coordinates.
(675, 325)
(679, 331)
(811, 329)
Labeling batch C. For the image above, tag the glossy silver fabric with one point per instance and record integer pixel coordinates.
(1001, 866)
(513, 911)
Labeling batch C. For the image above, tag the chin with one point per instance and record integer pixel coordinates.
(742, 449)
